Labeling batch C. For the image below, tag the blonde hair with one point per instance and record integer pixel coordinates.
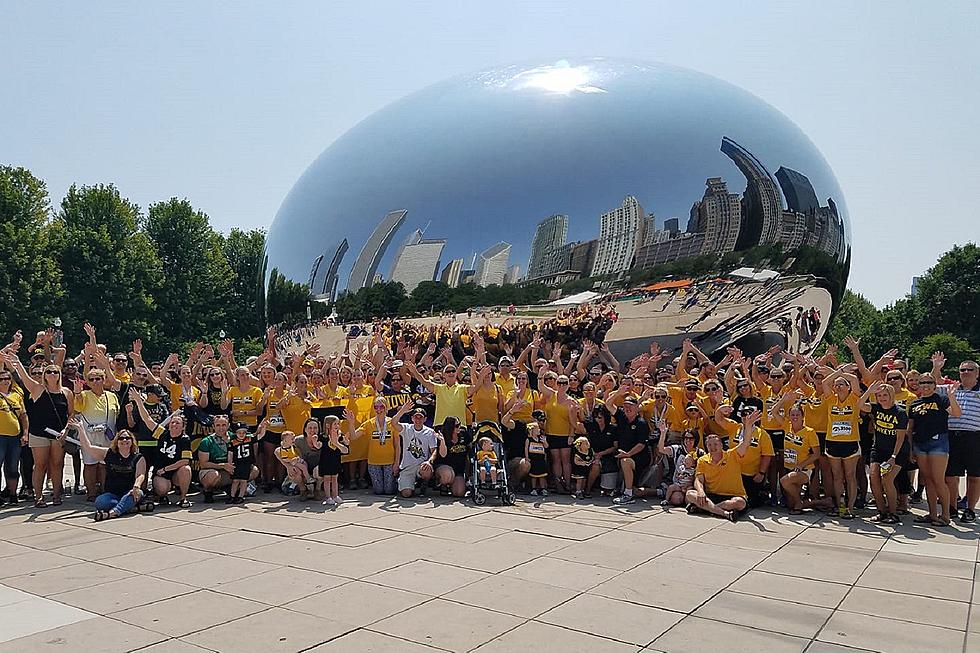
(580, 440)
(114, 445)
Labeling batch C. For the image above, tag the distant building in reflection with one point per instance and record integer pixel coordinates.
(513, 274)
(665, 250)
(451, 273)
(718, 216)
(672, 225)
(762, 204)
(621, 233)
(492, 264)
(549, 237)
(797, 190)
(417, 261)
(805, 222)
(366, 266)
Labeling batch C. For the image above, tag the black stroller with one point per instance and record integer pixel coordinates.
(488, 429)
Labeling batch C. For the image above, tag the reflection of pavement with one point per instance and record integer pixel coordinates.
(405, 575)
(760, 311)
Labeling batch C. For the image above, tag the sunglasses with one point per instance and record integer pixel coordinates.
(562, 382)
(4, 378)
(52, 372)
(124, 438)
(927, 383)
(212, 374)
(93, 379)
(967, 369)
(897, 378)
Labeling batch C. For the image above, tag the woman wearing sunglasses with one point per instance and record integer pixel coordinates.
(50, 407)
(125, 471)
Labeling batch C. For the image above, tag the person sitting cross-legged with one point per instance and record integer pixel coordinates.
(718, 487)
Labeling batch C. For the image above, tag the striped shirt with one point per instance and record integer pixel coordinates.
(969, 401)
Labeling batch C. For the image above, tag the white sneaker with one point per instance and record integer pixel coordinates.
(338, 500)
(534, 493)
(329, 501)
(544, 493)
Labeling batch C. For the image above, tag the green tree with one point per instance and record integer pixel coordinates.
(955, 348)
(110, 269)
(856, 317)
(29, 273)
(431, 295)
(949, 294)
(193, 299)
(243, 251)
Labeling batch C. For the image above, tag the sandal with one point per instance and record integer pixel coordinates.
(101, 515)
(183, 503)
(40, 504)
(922, 519)
(940, 522)
(847, 514)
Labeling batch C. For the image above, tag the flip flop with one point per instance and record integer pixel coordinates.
(922, 519)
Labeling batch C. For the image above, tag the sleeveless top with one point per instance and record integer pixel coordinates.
(49, 411)
(558, 422)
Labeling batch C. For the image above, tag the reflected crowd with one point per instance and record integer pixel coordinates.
(500, 408)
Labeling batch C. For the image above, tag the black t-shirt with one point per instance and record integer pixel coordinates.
(158, 412)
(243, 450)
(929, 416)
(629, 434)
(214, 402)
(455, 457)
(601, 440)
(514, 439)
(120, 473)
(395, 399)
(883, 423)
(170, 450)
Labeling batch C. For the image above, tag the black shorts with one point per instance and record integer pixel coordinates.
(558, 442)
(242, 471)
(272, 438)
(883, 455)
(777, 436)
(837, 449)
(964, 454)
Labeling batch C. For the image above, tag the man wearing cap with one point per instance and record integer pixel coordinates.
(633, 436)
(419, 447)
(504, 377)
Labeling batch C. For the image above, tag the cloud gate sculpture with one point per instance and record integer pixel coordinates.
(702, 210)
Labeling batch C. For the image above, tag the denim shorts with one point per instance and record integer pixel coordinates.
(937, 445)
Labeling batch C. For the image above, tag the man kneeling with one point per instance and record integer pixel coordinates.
(718, 487)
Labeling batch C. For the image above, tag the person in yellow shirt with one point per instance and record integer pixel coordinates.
(661, 415)
(450, 395)
(840, 395)
(486, 400)
(718, 487)
(13, 432)
(288, 454)
(505, 377)
(360, 399)
(521, 401)
(800, 454)
(757, 459)
(384, 445)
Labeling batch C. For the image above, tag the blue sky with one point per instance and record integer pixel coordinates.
(227, 103)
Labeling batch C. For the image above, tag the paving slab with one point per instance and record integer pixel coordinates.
(357, 603)
(90, 636)
(888, 635)
(696, 635)
(447, 625)
(626, 622)
(553, 639)
(188, 613)
(368, 641)
(764, 613)
(275, 629)
(521, 598)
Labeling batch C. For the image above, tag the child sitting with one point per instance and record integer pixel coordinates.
(296, 469)
(486, 461)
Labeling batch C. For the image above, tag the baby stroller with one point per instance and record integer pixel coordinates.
(488, 429)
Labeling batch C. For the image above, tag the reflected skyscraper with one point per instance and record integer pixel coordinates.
(418, 261)
(797, 190)
(451, 273)
(366, 265)
(762, 205)
(719, 216)
(621, 233)
(549, 237)
(492, 264)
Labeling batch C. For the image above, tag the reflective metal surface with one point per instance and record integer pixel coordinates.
(584, 169)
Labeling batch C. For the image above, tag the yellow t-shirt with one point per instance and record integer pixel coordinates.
(450, 402)
(242, 400)
(506, 385)
(815, 412)
(769, 401)
(295, 412)
(179, 394)
(360, 401)
(904, 398)
(842, 419)
(273, 411)
(97, 409)
(531, 397)
(761, 445)
(483, 404)
(288, 453)
(381, 450)
(798, 445)
(723, 477)
(482, 455)
(333, 397)
(11, 408)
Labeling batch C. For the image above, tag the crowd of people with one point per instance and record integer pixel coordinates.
(540, 407)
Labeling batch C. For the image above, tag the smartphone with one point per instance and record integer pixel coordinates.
(59, 338)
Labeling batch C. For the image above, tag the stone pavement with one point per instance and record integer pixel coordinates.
(432, 574)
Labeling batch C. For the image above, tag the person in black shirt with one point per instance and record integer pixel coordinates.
(602, 437)
(156, 409)
(633, 436)
(241, 454)
(515, 437)
(125, 472)
(451, 468)
(171, 452)
(928, 424)
(889, 451)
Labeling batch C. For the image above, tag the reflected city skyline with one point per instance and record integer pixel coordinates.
(594, 170)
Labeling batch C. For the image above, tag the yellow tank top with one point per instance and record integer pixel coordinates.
(484, 404)
(530, 396)
(557, 423)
